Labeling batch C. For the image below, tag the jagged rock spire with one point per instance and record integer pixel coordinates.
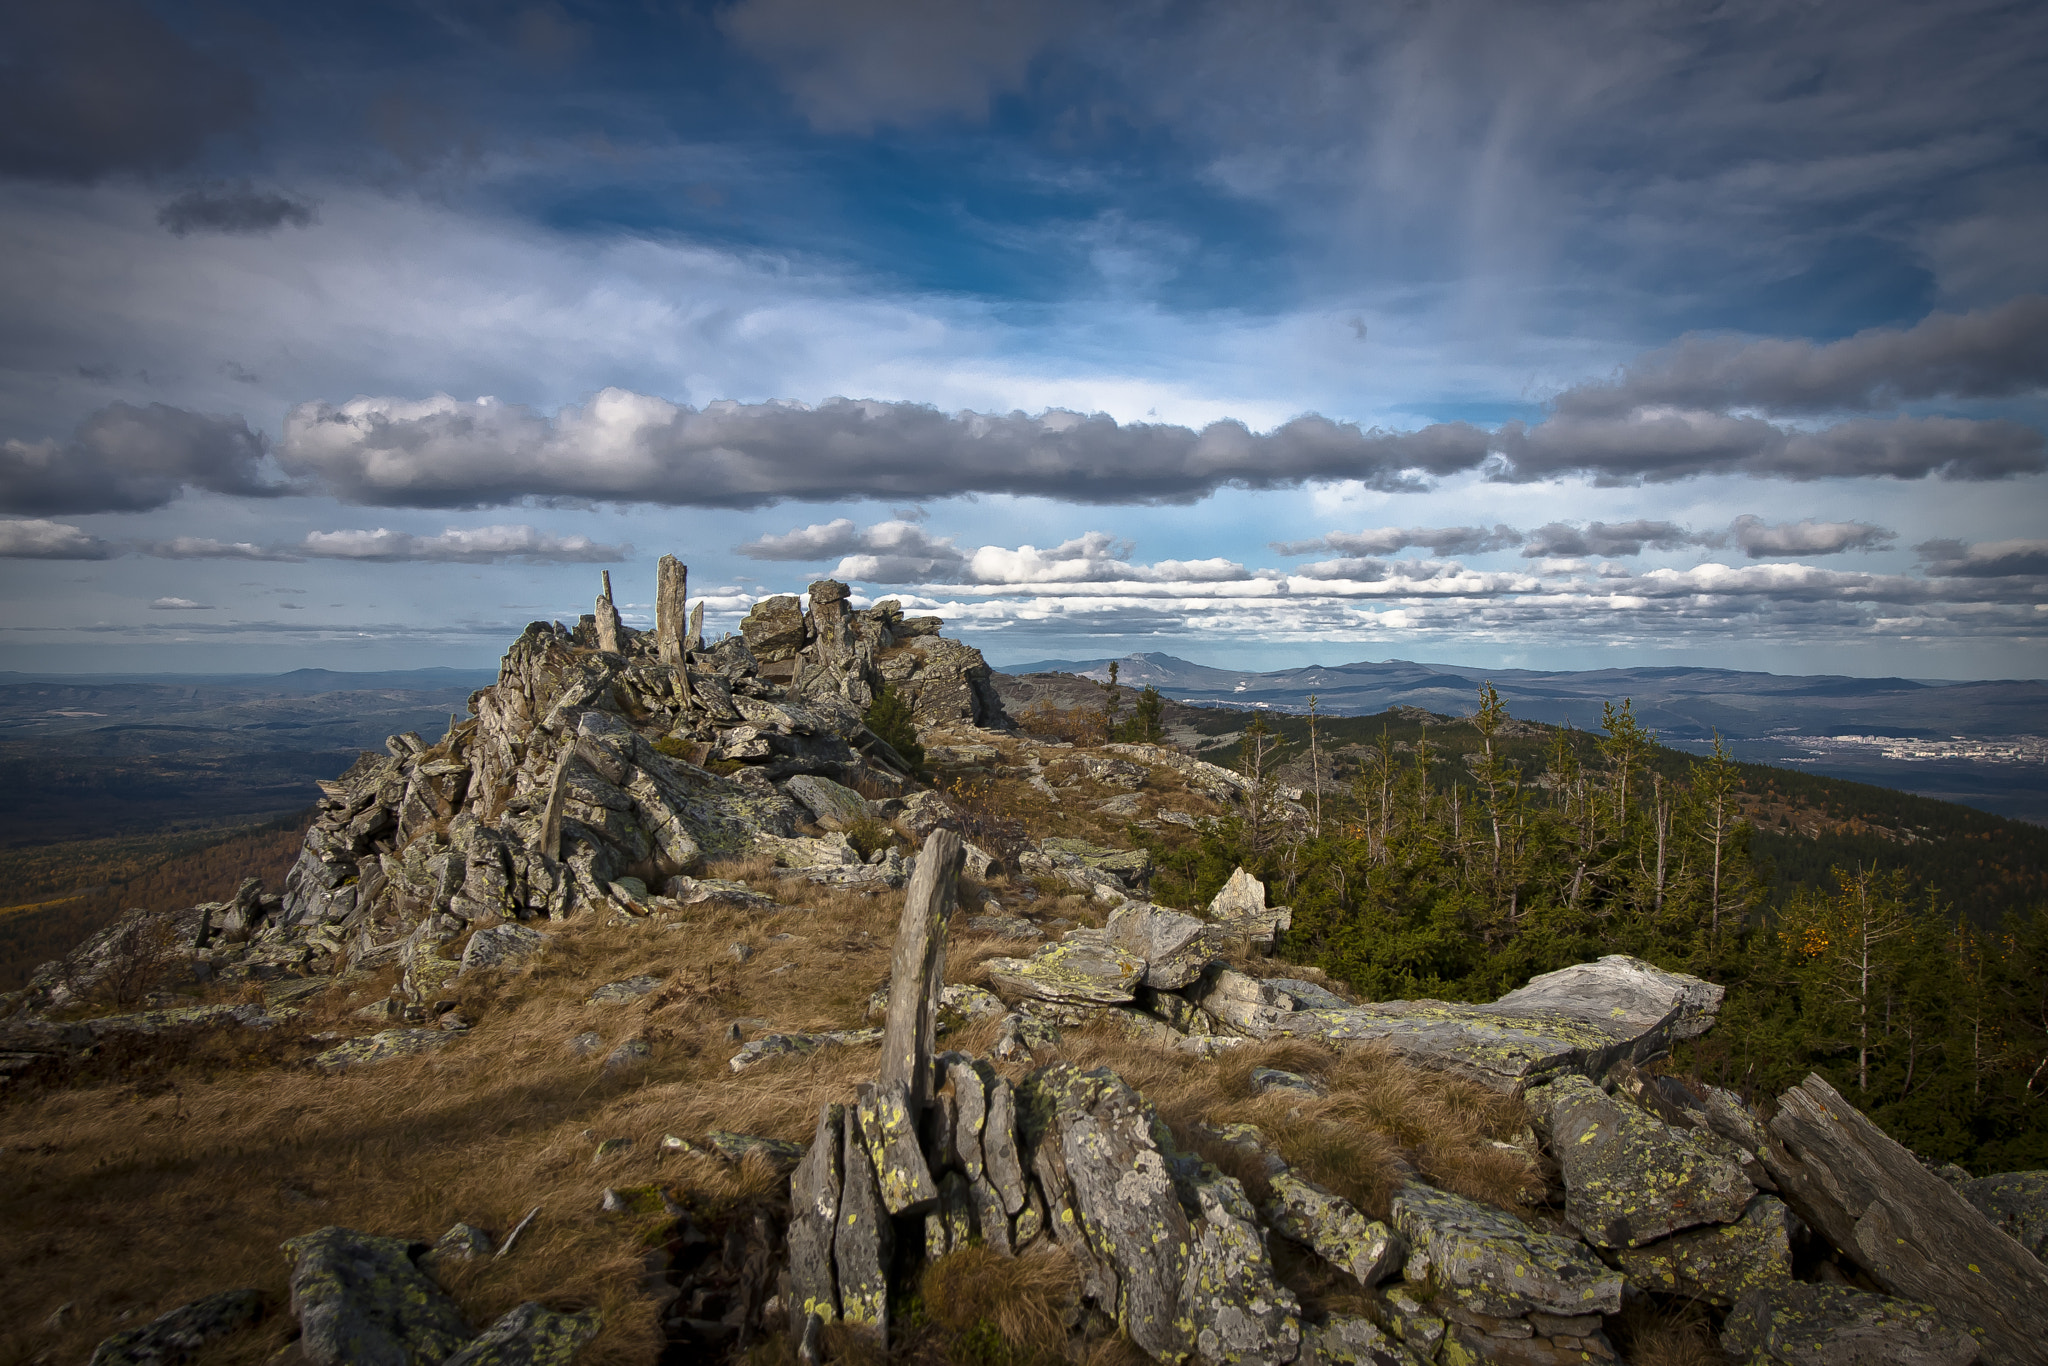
(671, 592)
(611, 632)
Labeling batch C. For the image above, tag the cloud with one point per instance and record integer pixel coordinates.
(1659, 447)
(1759, 539)
(1985, 560)
(442, 452)
(179, 605)
(236, 210)
(1613, 538)
(852, 65)
(1387, 540)
(206, 548)
(460, 545)
(1989, 353)
(902, 552)
(41, 540)
(90, 87)
(129, 459)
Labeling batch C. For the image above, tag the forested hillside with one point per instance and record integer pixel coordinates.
(1891, 943)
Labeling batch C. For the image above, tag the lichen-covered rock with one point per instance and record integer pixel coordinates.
(629, 1054)
(2018, 1203)
(778, 1153)
(1232, 1305)
(1414, 1322)
(814, 1216)
(1244, 1004)
(794, 1045)
(1268, 1080)
(1490, 1262)
(179, 1336)
(1832, 1325)
(1069, 972)
(628, 989)
(382, 1046)
(889, 1129)
(1175, 947)
(1342, 1341)
(1630, 1179)
(360, 1301)
(863, 1242)
(530, 1334)
(831, 805)
(950, 1223)
(1333, 1227)
(1720, 1263)
(1633, 996)
(1000, 1159)
(774, 629)
(500, 944)
(1131, 867)
(461, 1243)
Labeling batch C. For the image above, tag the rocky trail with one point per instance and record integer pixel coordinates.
(707, 1031)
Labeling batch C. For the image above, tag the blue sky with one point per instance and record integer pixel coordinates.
(1561, 336)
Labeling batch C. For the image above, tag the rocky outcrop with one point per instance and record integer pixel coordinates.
(1833, 1325)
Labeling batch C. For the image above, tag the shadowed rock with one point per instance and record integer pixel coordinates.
(814, 1217)
(863, 1243)
(1719, 1264)
(1630, 1179)
(360, 1301)
(1490, 1262)
(1832, 1325)
(180, 1335)
(1332, 1225)
(890, 1129)
(999, 1151)
(2018, 1203)
(530, 1335)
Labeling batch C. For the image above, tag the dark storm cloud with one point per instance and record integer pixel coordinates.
(1990, 353)
(127, 459)
(1985, 560)
(1563, 540)
(1387, 540)
(1759, 539)
(628, 447)
(89, 87)
(230, 209)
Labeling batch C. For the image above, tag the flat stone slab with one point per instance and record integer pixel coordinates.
(631, 989)
(382, 1046)
(1489, 1262)
(1719, 1264)
(1175, 947)
(832, 805)
(1630, 1178)
(1070, 972)
(1632, 996)
(179, 1335)
(795, 1045)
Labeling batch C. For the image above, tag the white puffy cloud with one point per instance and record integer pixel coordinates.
(1759, 539)
(1388, 540)
(207, 548)
(179, 605)
(37, 539)
(461, 545)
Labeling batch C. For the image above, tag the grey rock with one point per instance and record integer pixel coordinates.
(671, 595)
(966, 1091)
(1342, 1341)
(739, 952)
(889, 1126)
(1307, 995)
(1241, 909)
(950, 1222)
(1001, 1160)
(2018, 1203)
(500, 944)
(1175, 947)
(814, 1215)
(778, 1153)
(461, 1243)
(1069, 971)
(360, 1301)
(1634, 995)
(530, 1335)
(1492, 1263)
(180, 1335)
(1267, 1080)
(1247, 1005)
(383, 1046)
(774, 629)
(1630, 1179)
(1131, 867)
(863, 1243)
(1230, 1294)
(1833, 1325)
(628, 1055)
(1721, 1263)
(831, 805)
(1412, 1321)
(1004, 927)
(991, 1220)
(1332, 1226)
(916, 974)
(586, 1043)
(630, 989)
(795, 1045)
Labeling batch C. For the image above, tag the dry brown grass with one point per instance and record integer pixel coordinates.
(1668, 1334)
(1003, 1311)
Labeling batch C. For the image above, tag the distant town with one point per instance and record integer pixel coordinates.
(2011, 749)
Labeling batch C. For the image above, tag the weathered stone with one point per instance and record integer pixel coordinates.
(916, 974)
(1175, 947)
(795, 1045)
(1070, 971)
(950, 1224)
(1091, 1144)
(2018, 1203)
(629, 989)
(1245, 1004)
(1907, 1227)
(179, 1336)
(530, 1335)
(991, 1220)
(1634, 996)
(611, 632)
(628, 1055)
(1232, 1305)
(778, 1153)
(1333, 1227)
(774, 629)
(461, 1243)
(383, 1046)
(1019, 1037)
(1267, 1080)
(999, 1154)
(968, 1091)
(1307, 995)
(814, 1215)
(889, 1127)
(1341, 1341)
(1414, 1322)
(1833, 1325)
(863, 1243)
(671, 592)
(1131, 867)
(1490, 1262)
(1240, 909)
(360, 1301)
(1719, 1264)
(1630, 1179)
(500, 944)
(831, 805)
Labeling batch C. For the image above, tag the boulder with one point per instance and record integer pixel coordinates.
(361, 1301)
(1069, 972)
(628, 1055)
(1332, 1226)
(1175, 947)
(774, 629)
(383, 1046)
(180, 1335)
(1342, 1341)
(1241, 909)
(831, 805)
(1130, 867)
(1916, 1236)
(500, 944)
(795, 1045)
(627, 989)
(814, 1215)
(1634, 996)
(1245, 1004)
(461, 1243)
(1230, 1297)
(1721, 1263)
(863, 1242)
(1833, 1325)
(1489, 1262)
(1268, 1080)
(2018, 1203)
(530, 1334)
(1630, 1179)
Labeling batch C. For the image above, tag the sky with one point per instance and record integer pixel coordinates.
(1561, 336)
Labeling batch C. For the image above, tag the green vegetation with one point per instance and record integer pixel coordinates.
(1459, 858)
(889, 718)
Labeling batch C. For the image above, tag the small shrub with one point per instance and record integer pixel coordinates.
(866, 835)
(1075, 726)
(889, 717)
